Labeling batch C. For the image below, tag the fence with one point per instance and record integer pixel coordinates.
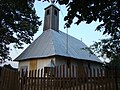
(74, 78)
(61, 78)
(8, 79)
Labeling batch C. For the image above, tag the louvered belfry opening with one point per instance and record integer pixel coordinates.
(51, 19)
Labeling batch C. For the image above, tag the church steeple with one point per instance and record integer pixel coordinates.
(51, 19)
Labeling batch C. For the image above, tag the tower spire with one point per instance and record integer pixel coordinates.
(51, 18)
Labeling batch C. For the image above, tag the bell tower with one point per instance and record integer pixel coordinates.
(51, 18)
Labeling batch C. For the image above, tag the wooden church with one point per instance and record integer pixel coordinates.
(50, 49)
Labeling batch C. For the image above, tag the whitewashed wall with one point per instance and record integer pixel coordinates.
(23, 63)
(41, 63)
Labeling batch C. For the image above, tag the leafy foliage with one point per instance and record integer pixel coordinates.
(105, 11)
(18, 24)
(109, 48)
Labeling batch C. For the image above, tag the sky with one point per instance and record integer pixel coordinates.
(84, 32)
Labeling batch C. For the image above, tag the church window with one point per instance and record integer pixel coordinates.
(49, 71)
(68, 64)
(89, 66)
(0, 70)
(48, 12)
(55, 12)
(23, 70)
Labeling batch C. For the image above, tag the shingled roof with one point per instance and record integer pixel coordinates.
(52, 43)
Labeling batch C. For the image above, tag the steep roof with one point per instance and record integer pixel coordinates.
(51, 43)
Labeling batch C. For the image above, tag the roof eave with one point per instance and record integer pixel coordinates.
(55, 56)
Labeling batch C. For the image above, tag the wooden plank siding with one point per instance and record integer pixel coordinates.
(33, 64)
(60, 78)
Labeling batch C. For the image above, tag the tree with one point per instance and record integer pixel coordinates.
(18, 24)
(105, 11)
(109, 48)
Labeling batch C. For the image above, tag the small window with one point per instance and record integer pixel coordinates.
(89, 66)
(23, 70)
(48, 12)
(55, 12)
(0, 70)
(49, 71)
(68, 64)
